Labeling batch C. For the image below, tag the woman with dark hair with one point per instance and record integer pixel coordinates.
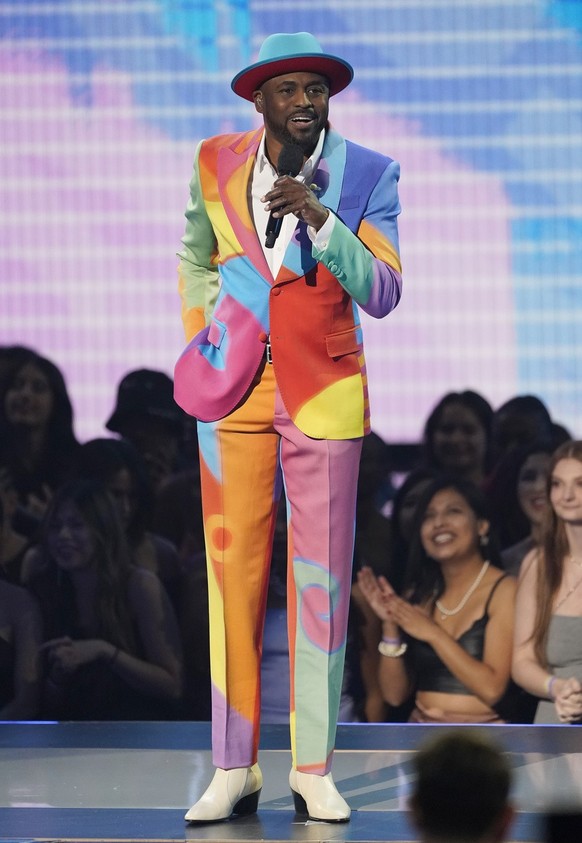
(122, 469)
(37, 441)
(457, 434)
(37, 446)
(521, 420)
(547, 652)
(517, 491)
(446, 639)
(112, 646)
(369, 625)
(20, 639)
(402, 521)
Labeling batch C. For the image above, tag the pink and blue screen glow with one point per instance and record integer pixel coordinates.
(102, 104)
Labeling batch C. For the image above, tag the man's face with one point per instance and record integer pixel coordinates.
(295, 108)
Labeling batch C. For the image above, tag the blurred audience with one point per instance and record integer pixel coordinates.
(37, 446)
(446, 639)
(372, 537)
(20, 640)
(10, 356)
(122, 469)
(14, 544)
(461, 790)
(112, 649)
(521, 420)
(457, 433)
(94, 589)
(178, 516)
(146, 414)
(517, 491)
(547, 651)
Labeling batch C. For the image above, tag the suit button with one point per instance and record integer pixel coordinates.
(263, 337)
(277, 291)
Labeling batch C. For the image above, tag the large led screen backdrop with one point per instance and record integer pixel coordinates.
(102, 103)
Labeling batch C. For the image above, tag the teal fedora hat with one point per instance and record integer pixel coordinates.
(292, 52)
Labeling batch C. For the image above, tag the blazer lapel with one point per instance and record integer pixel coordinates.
(235, 172)
(327, 182)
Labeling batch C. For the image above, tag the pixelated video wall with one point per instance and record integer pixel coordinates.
(102, 103)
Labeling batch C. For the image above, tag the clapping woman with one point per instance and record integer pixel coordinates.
(446, 639)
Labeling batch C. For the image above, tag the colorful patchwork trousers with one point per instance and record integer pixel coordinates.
(243, 458)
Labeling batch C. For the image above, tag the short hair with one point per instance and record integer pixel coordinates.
(462, 786)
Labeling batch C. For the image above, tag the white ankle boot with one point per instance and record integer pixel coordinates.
(317, 797)
(230, 792)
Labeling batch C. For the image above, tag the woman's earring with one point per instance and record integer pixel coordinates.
(484, 540)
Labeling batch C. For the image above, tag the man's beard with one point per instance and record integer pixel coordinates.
(306, 144)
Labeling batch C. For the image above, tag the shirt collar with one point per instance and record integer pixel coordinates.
(308, 168)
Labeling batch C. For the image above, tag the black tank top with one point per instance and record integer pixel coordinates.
(431, 674)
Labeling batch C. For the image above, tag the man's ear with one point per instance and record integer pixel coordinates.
(258, 100)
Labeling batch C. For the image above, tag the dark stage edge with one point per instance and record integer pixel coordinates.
(121, 782)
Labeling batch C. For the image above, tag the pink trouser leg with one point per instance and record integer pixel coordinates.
(320, 478)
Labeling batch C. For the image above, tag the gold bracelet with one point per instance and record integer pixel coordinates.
(393, 651)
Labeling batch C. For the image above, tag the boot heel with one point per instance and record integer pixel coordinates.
(300, 803)
(248, 804)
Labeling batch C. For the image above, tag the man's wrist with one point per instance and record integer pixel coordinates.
(320, 237)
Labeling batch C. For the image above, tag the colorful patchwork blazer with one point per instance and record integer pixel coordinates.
(232, 304)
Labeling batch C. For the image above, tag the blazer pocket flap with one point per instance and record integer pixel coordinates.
(345, 342)
(216, 333)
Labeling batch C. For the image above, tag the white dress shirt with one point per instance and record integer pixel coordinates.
(264, 175)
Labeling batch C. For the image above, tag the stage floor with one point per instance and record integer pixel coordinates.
(133, 782)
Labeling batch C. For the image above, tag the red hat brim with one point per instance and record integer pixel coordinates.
(338, 72)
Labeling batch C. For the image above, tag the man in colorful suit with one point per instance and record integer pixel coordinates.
(275, 374)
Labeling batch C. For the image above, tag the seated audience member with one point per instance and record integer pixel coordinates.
(521, 420)
(10, 356)
(372, 535)
(37, 442)
(120, 467)
(518, 496)
(461, 790)
(178, 518)
(20, 639)
(457, 435)
(368, 624)
(14, 544)
(446, 639)
(112, 649)
(147, 415)
(547, 652)
(402, 522)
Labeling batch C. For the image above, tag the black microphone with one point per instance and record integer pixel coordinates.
(289, 164)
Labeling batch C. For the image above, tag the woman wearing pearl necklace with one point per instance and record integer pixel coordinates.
(446, 639)
(547, 652)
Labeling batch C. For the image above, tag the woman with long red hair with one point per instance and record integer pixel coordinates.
(547, 652)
